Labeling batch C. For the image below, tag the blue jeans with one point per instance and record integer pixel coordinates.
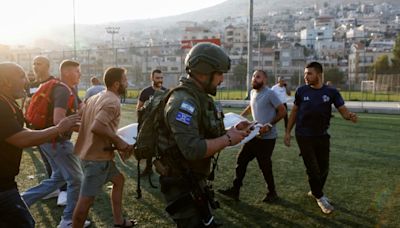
(13, 211)
(66, 168)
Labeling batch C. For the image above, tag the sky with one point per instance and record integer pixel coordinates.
(21, 20)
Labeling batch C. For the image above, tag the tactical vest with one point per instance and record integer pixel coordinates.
(211, 126)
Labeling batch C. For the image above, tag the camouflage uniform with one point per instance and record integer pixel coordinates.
(191, 118)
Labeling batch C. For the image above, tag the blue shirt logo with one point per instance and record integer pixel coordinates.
(326, 98)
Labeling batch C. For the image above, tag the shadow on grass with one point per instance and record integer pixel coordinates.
(37, 162)
(254, 216)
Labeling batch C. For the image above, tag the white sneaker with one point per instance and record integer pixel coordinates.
(324, 204)
(52, 195)
(62, 199)
(68, 223)
(311, 195)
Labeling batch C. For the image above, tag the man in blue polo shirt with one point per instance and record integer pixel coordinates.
(311, 113)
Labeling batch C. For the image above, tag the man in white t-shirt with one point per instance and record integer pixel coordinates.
(281, 91)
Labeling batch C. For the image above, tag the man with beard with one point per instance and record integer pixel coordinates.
(266, 109)
(156, 78)
(14, 137)
(192, 132)
(97, 135)
(311, 113)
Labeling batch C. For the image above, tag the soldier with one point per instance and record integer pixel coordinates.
(194, 133)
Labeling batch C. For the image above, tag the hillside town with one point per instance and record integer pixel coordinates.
(346, 38)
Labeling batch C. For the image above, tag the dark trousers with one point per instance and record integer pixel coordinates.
(286, 115)
(13, 211)
(315, 153)
(261, 149)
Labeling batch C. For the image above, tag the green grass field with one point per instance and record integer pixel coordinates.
(364, 184)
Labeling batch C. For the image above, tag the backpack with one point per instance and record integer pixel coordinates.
(38, 115)
(150, 119)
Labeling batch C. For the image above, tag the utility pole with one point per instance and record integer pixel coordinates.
(73, 10)
(113, 30)
(249, 50)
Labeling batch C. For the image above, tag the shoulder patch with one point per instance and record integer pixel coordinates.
(188, 107)
(183, 118)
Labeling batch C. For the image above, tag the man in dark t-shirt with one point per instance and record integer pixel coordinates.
(311, 112)
(156, 78)
(13, 137)
(65, 165)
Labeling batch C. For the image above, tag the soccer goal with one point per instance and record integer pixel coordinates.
(367, 88)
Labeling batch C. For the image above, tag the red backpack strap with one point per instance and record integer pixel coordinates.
(72, 100)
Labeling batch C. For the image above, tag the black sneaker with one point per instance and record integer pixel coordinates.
(230, 192)
(271, 197)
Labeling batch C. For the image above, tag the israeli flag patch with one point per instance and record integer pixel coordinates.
(188, 107)
(183, 118)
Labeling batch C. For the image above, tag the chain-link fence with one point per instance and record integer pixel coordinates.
(140, 61)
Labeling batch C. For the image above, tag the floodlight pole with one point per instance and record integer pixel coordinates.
(113, 30)
(249, 50)
(74, 25)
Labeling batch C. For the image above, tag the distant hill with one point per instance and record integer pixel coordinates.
(235, 8)
(232, 8)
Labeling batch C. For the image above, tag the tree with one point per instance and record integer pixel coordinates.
(382, 65)
(396, 54)
(239, 73)
(334, 75)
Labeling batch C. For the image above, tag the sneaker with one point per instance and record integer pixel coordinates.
(271, 197)
(324, 204)
(311, 195)
(230, 192)
(68, 223)
(52, 195)
(62, 199)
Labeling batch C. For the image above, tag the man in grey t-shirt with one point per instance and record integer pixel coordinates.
(266, 109)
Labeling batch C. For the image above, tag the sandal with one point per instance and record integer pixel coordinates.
(125, 225)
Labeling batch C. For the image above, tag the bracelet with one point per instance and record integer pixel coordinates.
(269, 125)
(229, 139)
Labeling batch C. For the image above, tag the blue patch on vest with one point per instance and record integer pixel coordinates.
(184, 118)
(188, 107)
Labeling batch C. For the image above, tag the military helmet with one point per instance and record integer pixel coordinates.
(206, 58)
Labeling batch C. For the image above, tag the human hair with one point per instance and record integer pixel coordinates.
(8, 70)
(316, 66)
(43, 59)
(155, 71)
(112, 75)
(94, 80)
(263, 72)
(68, 63)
